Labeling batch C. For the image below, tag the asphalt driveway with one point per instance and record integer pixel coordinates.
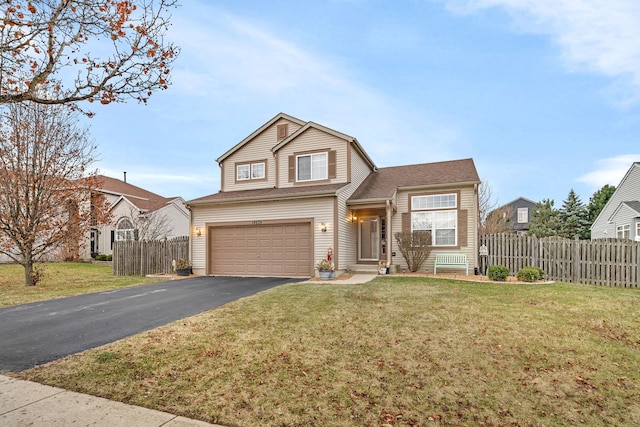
(37, 333)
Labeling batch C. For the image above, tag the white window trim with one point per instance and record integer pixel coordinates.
(311, 156)
(621, 230)
(436, 199)
(523, 215)
(125, 234)
(264, 167)
(244, 177)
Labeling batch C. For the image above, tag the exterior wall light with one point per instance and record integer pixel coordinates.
(198, 231)
(323, 227)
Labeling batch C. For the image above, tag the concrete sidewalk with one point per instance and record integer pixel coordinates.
(25, 403)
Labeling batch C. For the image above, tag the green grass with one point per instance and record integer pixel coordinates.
(60, 280)
(397, 351)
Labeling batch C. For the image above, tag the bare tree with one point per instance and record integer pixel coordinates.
(150, 225)
(94, 50)
(414, 247)
(491, 220)
(46, 201)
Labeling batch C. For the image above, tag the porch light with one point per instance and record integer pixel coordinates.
(198, 231)
(323, 227)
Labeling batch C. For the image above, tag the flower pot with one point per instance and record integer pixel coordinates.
(183, 271)
(326, 274)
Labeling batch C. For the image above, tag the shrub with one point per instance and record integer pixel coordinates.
(498, 273)
(109, 257)
(530, 274)
(101, 257)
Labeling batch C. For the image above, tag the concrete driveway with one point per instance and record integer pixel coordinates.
(37, 333)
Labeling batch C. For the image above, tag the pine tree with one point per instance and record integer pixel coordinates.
(544, 220)
(573, 218)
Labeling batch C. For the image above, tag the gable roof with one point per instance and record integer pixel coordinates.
(258, 132)
(313, 125)
(142, 199)
(614, 202)
(514, 201)
(384, 183)
(634, 205)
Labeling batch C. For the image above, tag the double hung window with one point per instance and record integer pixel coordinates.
(312, 167)
(437, 214)
(523, 215)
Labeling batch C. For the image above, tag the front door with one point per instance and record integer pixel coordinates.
(369, 238)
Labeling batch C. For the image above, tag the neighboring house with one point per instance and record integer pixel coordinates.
(294, 190)
(135, 214)
(620, 217)
(519, 212)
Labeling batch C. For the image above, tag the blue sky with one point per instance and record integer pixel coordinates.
(544, 95)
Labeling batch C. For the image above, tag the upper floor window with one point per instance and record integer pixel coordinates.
(249, 171)
(312, 167)
(437, 214)
(523, 215)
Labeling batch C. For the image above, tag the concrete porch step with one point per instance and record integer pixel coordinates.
(363, 268)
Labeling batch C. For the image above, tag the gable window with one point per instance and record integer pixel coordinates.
(249, 171)
(437, 214)
(125, 230)
(523, 215)
(622, 231)
(311, 167)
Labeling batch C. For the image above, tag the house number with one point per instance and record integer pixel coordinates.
(256, 222)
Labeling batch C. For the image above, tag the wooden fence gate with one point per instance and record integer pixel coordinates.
(138, 258)
(605, 262)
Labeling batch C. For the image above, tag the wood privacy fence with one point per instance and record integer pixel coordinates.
(605, 262)
(138, 258)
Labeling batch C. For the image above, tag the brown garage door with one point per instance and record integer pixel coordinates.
(261, 250)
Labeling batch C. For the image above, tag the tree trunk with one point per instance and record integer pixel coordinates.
(28, 272)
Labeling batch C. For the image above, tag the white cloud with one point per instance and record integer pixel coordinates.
(599, 36)
(609, 171)
(247, 67)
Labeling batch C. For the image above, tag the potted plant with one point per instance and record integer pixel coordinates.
(325, 269)
(382, 267)
(182, 267)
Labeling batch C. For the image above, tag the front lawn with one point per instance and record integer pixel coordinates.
(60, 280)
(396, 351)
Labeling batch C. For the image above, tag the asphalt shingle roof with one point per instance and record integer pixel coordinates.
(268, 193)
(384, 183)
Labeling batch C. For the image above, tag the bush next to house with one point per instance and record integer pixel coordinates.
(498, 273)
(530, 274)
(103, 257)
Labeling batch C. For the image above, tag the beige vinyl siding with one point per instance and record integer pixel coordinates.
(467, 202)
(627, 190)
(348, 232)
(257, 149)
(313, 140)
(319, 209)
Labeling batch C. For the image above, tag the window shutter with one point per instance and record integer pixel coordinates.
(113, 237)
(406, 222)
(135, 235)
(292, 168)
(462, 227)
(332, 164)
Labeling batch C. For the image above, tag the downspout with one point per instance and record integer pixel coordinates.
(389, 234)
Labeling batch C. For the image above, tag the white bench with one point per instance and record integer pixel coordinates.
(451, 261)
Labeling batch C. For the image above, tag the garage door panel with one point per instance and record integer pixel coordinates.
(261, 250)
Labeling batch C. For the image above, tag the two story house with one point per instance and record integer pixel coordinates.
(620, 217)
(293, 192)
(135, 213)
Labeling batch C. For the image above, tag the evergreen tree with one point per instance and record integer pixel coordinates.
(544, 220)
(573, 218)
(598, 200)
